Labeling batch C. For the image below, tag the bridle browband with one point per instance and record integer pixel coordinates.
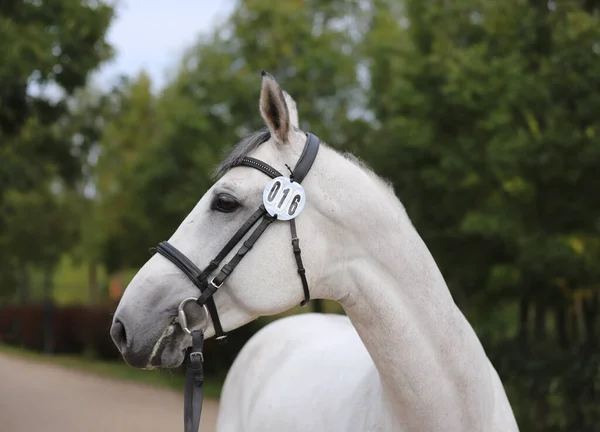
(200, 278)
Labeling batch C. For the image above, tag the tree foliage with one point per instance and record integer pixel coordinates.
(48, 49)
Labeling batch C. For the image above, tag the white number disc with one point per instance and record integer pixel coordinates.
(284, 198)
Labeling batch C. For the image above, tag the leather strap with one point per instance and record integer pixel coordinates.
(261, 166)
(184, 264)
(299, 264)
(190, 269)
(240, 233)
(303, 166)
(194, 382)
(226, 270)
(193, 273)
(307, 158)
(220, 335)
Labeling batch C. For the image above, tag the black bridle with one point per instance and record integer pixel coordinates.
(194, 357)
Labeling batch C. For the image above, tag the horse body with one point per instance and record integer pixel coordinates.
(308, 372)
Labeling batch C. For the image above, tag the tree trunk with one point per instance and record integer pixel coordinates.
(93, 287)
(590, 312)
(561, 328)
(542, 410)
(539, 329)
(523, 334)
(573, 326)
(25, 286)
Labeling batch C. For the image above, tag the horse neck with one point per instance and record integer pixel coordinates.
(433, 369)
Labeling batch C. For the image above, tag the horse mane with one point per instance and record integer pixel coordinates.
(241, 150)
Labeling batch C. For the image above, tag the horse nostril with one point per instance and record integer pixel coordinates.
(118, 334)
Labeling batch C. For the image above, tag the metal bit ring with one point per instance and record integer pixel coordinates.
(182, 319)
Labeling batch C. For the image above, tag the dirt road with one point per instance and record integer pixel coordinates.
(42, 397)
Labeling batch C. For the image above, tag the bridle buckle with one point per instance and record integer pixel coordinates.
(195, 354)
(215, 286)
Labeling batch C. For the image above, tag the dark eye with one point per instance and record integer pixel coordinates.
(224, 203)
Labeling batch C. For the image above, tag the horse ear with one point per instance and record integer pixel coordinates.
(292, 109)
(274, 109)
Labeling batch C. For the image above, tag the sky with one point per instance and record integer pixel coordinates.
(152, 35)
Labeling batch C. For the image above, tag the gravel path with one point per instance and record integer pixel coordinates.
(44, 397)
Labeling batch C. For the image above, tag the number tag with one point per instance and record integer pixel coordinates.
(284, 198)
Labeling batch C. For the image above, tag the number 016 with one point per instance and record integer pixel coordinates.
(274, 193)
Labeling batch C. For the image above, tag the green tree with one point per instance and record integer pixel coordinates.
(487, 129)
(129, 129)
(47, 50)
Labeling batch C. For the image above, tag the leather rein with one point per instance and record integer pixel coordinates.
(194, 358)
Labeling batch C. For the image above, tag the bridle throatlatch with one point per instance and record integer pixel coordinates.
(283, 199)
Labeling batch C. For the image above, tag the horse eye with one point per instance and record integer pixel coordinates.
(225, 203)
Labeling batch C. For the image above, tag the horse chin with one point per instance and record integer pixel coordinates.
(168, 351)
(169, 360)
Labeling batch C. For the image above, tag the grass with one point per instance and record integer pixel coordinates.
(117, 370)
(71, 285)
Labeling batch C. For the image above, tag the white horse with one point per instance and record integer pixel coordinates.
(404, 359)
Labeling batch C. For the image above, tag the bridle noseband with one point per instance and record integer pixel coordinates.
(200, 278)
